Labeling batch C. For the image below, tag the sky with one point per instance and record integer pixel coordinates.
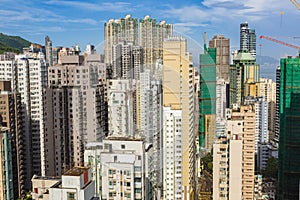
(69, 22)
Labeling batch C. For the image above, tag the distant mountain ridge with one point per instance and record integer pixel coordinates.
(12, 43)
(268, 66)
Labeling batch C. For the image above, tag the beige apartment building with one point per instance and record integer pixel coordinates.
(178, 94)
(234, 157)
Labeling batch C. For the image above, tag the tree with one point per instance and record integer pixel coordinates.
(271, 170)
(207, 162)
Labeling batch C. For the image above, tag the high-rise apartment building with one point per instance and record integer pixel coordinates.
(48, 49)
(247, 39)
(122, 107)
(28, 75)
(146, 33)
(11, 118)
(233, 158)
(127, 60)
(172, 162)
(151, 37)
(213, 99)
(268, 90)
(118, 167)
(76, 111)
(289, 139)
(119, 30)
(227, 165)
(150, 125)
(6, 168)
(222, 46)
(244, 78)
(178, 94)
(275, 140)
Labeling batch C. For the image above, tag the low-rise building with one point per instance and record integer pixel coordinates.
(75, 184)
(118, 167)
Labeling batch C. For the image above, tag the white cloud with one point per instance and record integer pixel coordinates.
(226, 10)
(104, 6)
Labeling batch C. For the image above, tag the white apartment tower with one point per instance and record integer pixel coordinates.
(121, 115)
(172, 151)
(118, 168)
(268, 90)
(28, 75)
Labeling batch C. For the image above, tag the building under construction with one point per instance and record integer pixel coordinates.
(289, 139)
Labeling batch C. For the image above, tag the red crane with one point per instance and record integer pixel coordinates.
(280, 42)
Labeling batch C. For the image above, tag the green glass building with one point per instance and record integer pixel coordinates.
(207, 95)
(289, 138)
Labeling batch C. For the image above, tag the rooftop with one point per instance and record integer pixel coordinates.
(76, 171)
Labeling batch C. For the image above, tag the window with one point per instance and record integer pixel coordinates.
(71, 196)
(122, 146)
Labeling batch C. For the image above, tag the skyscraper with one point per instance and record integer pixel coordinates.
(244, 78)
(207, 98)
(11, 119)
(127, 60)
(28, 75)
(178, 95)
(277, 120)
(121, 107)
(247, 39)
(76, 111)
(152, 35)
(222, 46)
(233, 157)
(48, 48)
(289, 139)
(268, 90)
(119, 30)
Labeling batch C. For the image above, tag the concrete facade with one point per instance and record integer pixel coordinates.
(178, 94)
(118, 167)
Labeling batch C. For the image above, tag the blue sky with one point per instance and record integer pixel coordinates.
(82, 22)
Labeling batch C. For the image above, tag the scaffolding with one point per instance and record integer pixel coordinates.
(289, 139)
(207, 95)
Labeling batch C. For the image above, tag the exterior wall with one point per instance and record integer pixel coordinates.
(40, 185)
(151, 37)
(244, 77)
(121, 107)
(6, 170)
(118, 30)
(268, 90)
(178, 93)
(28, 74)
(76, 111)
(172, 153)
(289, 154)
(76, 182)
(220, 171)
(222, 46)
(118, 166)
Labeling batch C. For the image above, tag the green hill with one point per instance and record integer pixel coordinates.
(12, 43)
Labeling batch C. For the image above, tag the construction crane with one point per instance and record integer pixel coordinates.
(280, 42)
(296, 4)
